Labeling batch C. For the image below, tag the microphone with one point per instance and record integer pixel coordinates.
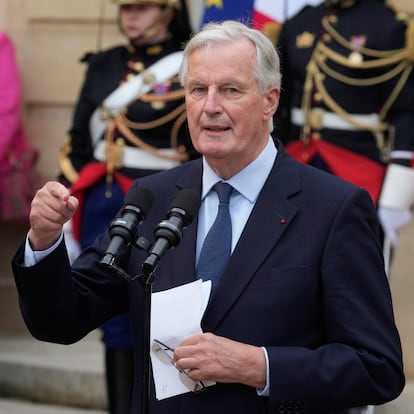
(124, 229)
(168, 232)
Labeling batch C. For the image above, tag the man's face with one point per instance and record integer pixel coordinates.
(227, 114)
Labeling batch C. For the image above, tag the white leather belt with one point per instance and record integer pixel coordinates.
(320, 118)
(133, 157)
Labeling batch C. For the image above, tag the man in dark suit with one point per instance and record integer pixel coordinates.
(301, 318)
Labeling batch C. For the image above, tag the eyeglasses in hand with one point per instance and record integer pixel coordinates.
(165, 354)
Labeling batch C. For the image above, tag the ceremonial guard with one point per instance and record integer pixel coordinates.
(129, 121)
(347, 104)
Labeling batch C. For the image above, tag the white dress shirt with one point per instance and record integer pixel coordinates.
(247, 185)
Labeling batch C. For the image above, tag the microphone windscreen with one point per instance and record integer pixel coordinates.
(140, 197)
(187, 200)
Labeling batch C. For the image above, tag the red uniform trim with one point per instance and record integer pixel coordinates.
(343, 163)
(89, 176)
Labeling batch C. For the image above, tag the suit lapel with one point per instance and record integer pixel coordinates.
(183, 260)
(269, 219)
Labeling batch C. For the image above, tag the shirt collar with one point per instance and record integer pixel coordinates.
(250, 180)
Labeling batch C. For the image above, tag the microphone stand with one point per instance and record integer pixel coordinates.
(168, 234)
(146, 278)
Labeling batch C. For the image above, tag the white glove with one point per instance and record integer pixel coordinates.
(72, 245)
(392, 220)
(396, 200)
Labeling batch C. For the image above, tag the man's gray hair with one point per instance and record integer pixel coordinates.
(267, 65)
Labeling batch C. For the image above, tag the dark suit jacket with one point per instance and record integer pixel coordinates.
(306, 280)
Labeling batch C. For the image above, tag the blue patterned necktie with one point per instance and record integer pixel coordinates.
(216, 248)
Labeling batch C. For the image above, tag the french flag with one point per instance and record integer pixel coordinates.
(267, 12)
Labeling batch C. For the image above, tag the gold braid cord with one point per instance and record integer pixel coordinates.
(318, 70)
(114, 147)
(125, 126)
(157, 122)
(410, 41)
(138, 142)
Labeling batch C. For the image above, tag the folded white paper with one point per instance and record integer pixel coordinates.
(175, 315)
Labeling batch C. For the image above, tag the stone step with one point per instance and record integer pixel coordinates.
(10, 406)
(65, 375)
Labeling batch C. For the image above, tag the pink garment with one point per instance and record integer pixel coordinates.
(18, 177)
(11, 131)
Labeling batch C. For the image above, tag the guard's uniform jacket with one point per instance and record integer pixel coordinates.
(347, 99)
(149, 136)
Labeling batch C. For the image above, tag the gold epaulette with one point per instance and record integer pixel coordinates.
(272, 31)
